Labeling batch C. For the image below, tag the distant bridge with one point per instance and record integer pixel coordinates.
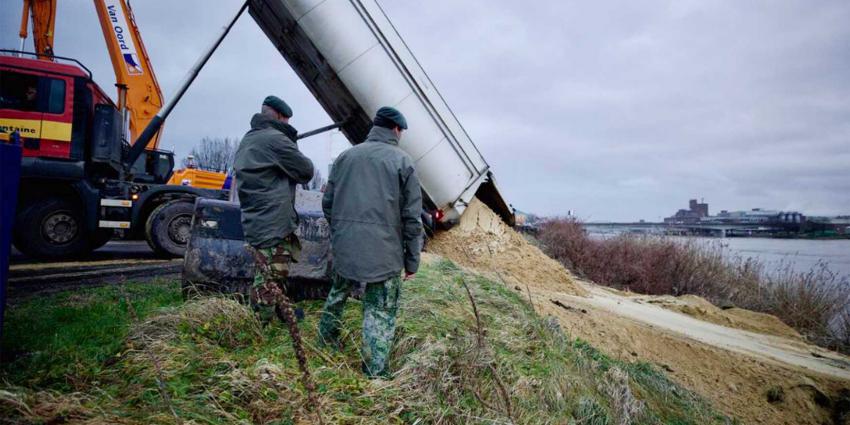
(720, 230)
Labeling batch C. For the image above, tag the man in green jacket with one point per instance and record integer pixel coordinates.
(268, 166)
(373, 203)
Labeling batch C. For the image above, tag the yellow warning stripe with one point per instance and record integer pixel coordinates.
(36, 129)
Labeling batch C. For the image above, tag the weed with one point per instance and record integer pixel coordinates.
(775, 395)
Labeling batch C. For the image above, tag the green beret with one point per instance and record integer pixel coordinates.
(278, 105)
(390, 117)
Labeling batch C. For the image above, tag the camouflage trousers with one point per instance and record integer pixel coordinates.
(271, 271)
(380, 306)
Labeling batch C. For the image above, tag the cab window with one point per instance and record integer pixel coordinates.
(27, 92)
(55, 96)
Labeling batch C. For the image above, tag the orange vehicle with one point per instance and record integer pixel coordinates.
(199, 178)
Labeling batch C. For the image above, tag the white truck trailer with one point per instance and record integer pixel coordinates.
(354, 61)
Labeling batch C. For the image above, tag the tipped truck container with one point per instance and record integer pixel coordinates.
(354, 61)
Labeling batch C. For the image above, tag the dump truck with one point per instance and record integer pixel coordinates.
(353, 61)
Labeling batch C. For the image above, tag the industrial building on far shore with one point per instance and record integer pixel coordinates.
(785, 221)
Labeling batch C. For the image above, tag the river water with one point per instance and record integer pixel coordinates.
(800, 255)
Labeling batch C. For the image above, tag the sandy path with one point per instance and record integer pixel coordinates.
(770, 348)
(732, 368)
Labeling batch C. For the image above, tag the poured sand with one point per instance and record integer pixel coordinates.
(483, 242)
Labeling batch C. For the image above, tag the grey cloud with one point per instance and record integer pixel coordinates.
(614, 110)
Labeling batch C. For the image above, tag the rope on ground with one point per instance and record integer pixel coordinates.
(285, 308)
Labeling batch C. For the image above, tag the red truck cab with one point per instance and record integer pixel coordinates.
(77, 186)
(49, 104)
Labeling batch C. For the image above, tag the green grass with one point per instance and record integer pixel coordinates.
(81, 356)
(47, 337)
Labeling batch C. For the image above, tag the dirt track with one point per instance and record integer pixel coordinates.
(733, 368)
(779, 350)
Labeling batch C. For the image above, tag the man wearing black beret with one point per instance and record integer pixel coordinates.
(268, 166)
(373, 203)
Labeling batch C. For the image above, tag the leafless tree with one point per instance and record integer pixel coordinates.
(213, 154)
(316, 183)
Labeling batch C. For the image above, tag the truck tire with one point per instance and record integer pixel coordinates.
(168, 226)
(52, 229)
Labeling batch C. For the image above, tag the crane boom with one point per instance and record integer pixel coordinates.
(131, 64)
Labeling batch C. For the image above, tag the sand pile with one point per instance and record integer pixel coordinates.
(738, 318)
(735, 383)
(483, 242)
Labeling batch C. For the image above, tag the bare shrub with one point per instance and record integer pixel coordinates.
(815, 303)
(841, 326)
(214, 154)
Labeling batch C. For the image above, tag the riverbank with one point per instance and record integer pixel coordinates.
(814, 302)
(750, 365)
(800, 255)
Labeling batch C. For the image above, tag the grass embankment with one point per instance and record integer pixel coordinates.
(815, 303)
(87, 356)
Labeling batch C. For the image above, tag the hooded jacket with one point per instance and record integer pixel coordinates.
(373, 203)
(268, 166)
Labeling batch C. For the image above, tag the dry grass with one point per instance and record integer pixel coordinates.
(496, 363)
(815, 303)
(216, 319)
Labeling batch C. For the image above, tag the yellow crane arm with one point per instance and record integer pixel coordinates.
(43, 14)
(130, 61)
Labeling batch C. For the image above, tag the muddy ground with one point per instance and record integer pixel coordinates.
(113, 263)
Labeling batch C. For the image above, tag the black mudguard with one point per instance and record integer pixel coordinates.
(219, 261)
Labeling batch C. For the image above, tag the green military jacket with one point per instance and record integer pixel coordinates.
(373, 203)
(268, 166)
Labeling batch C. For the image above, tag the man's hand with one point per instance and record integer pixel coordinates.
(408, 275)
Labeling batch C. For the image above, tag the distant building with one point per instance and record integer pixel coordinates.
(757, 216)
(696, 211)
(700, 208)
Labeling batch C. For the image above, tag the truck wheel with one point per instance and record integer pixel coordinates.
(168, 228)
(52, 229)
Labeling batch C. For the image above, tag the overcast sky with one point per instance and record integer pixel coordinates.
(611, 110)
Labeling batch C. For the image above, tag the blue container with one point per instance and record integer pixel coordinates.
(10, 176)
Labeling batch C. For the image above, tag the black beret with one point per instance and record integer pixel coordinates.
(278, 105)
(390, 117)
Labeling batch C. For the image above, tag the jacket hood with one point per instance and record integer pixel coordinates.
(381, 134)
(260, 121)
